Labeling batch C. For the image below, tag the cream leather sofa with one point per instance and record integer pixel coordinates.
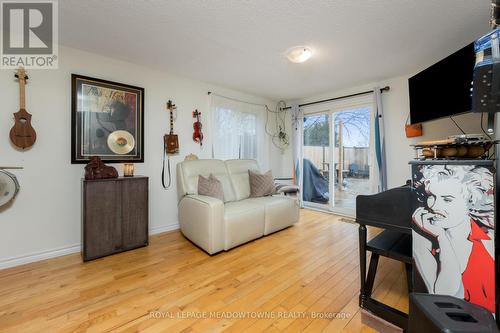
(214, 225)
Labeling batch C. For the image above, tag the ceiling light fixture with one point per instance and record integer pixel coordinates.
(299, 54)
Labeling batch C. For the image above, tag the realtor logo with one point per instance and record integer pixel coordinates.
(29, 34)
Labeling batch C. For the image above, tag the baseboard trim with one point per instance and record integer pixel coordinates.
(163, 228)
(39, 256)
(62, 251)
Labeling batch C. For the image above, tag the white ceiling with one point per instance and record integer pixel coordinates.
(241, 44)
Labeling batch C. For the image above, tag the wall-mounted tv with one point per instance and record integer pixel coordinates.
(443, 89)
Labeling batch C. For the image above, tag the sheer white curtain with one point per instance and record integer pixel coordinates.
(297, 141)
(238, 130)
(378, 168)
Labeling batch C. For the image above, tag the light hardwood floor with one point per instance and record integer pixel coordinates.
(309, 269)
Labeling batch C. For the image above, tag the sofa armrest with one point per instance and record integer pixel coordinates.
(201, 220)
(287, 189)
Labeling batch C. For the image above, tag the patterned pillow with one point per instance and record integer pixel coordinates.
(211, 187)
(261, 184)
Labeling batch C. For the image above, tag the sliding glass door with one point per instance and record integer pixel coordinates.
(317, 156)
(336, 154)
(351, 156)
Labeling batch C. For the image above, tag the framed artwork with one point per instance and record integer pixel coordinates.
(107, 120)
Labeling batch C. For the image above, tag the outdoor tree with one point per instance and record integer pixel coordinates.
(356, 129)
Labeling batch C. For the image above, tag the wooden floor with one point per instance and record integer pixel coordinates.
(302, 279)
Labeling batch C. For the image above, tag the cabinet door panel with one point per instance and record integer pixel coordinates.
(102, 232)
(135, 212)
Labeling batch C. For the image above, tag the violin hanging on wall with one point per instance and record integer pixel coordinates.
(197, 135)
(22, 134)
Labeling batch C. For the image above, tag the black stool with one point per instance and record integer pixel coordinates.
(447, 314)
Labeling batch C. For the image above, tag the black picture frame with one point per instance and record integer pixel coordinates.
(107, 120)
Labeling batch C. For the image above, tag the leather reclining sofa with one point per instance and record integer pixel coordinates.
(215, 225)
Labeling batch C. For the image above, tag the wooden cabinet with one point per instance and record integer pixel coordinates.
(114, 215)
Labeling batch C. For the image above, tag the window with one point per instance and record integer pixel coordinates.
(235, 133)
(238, 130)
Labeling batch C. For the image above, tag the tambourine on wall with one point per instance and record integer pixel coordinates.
(9, 186)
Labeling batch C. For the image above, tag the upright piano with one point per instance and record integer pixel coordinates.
(391, 211)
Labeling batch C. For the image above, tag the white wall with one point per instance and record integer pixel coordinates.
(396, 108)
(45, 217)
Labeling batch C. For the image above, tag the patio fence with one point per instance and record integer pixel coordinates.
(354, 157)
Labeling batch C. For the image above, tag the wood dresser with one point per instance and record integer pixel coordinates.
(114, 215)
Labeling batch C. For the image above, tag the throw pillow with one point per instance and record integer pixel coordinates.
(261, 184)
(210, 186)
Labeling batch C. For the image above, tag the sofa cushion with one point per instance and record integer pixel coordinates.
(280, 212)
(190, 170)
(211, 187)
(238, 171)
(243, 222)
(261, 185)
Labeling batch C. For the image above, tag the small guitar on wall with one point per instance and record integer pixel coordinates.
(170, 146)
(22, 134)
(171, 140)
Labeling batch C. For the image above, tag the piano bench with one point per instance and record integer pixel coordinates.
(392, 244)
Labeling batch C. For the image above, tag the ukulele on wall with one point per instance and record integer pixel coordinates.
(22, 134)
(197, 135)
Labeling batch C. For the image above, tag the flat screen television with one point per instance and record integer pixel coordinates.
(443, 89)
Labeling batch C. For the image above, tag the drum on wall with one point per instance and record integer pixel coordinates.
(9, 187)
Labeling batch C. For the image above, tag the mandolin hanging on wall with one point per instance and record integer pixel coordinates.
(22, 134)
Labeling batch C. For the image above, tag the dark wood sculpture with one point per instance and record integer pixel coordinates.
(96, 169)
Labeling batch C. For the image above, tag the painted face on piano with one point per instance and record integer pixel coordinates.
(455, 195)
(447, 202)
(453, 237)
